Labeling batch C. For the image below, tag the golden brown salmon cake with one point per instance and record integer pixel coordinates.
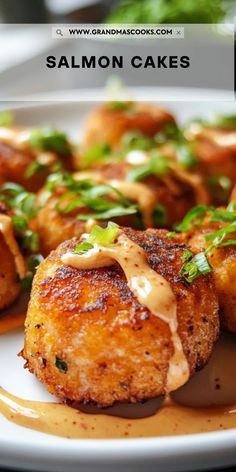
(23, 164)
(9, 286)
(108, 123)
(215, 149)
(223, 263)
(89, 339)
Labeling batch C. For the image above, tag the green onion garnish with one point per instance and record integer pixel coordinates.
(102, 236)
(114, 212)
(216, 121)
(193, 218)
(30, 241)
(35, 168)
(24, 208)
(194, 266)
(185, 156)
(220, 187)
(117, 105)
(86, 194)
(158, 165)
(170, 132)
(96, 153)
(224, 121)
(135, 140)
(32, 262)
(6, 118)
(83, 247)
(159, 215)
(198, 264)
(11, 188)
(48, 139)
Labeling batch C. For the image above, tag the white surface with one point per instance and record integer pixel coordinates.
(162, 94)
(65, 6)
(21, 447)
(19, 44)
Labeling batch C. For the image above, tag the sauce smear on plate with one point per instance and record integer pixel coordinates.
(62, 420)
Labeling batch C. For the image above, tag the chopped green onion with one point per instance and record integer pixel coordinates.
(170, 132)
(224, 121)
(102, 236)
(108, 214)
(83, 247)
(6, 118)
(185, 156)
(197, 265)
(90, 196)
(171, 234)
(158, 165)
(231, 206)
(187, 254)
(96, 153)
(135, 140)
(35, 168)
(193, 218)
(48, 139)
(223, 215)
(219, 121)
(139, 173)
(30, 241)
(25, 202)
(222, 232)
(24, 208)
(229, 242)
(33, 261)
(117, 105)
(159, 215)
(220, 186)
(26, 282)
(20, 223)
(11, 188)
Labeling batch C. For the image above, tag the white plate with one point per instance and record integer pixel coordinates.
(21, 447)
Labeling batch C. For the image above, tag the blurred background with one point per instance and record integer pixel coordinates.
(23, 48)
(117, 11)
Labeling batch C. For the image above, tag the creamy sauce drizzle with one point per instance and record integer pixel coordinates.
(6, 228)
(149, 287)
(194, 180)
(136, 157)
(62, 420)
(139, 193)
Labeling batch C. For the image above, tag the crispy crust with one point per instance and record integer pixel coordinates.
(9, 287)
(114, 348)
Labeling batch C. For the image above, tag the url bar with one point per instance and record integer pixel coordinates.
(126, 31)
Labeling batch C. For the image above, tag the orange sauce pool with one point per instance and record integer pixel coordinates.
(62, 420)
